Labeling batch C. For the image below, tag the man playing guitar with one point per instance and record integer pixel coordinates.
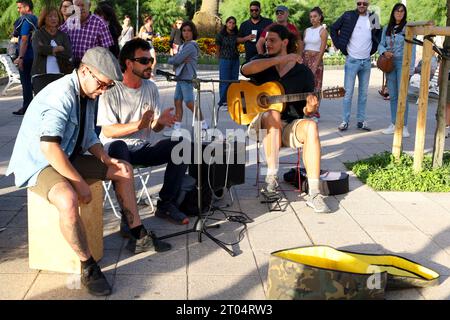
(287, 128)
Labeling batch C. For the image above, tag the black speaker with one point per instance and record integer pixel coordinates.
(222, 164)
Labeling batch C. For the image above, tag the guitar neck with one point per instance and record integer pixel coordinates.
(293, 97)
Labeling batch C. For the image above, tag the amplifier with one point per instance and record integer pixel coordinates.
(221, 162)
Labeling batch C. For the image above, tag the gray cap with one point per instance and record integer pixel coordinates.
(281, 8)
(104, 62)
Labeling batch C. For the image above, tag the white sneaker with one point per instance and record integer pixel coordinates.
(389, 130)
(405, 132)
(447, 131)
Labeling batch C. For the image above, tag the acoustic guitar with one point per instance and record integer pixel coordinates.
(246, 100)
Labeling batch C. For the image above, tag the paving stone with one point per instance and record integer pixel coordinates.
(440, 292)
(15, 287)
(14, 238)
(245, 287)
(149, 287)
(12, 203)
(6, 217)
(15, 261)
(60, 287)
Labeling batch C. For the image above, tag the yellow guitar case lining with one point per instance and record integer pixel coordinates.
(322, 272)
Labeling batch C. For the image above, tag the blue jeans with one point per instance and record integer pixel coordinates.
(184, 91)
(228, 70)
(25, 80)
(393, 84)
(353, 68)
(154, 155)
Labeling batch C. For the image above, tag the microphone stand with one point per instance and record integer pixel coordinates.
(200, 224)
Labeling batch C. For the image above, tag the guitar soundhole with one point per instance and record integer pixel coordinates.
(263, 100)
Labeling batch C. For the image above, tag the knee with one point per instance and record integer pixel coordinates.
(118, 149)
(311, 128)
(271, 118)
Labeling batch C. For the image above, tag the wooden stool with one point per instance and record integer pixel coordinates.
(48, 250)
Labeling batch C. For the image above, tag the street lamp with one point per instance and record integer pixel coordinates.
(137, 16)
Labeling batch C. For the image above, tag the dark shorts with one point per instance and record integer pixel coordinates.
(89, 167)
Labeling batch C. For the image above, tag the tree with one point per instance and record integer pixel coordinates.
(164, 14)
(207, 19)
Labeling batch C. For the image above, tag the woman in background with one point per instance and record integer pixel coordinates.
(228, 55)
(315, 43)
(175, 37)
(127, 32)
(66, 9)
(52, 48)
(391, 45)
(107, 13)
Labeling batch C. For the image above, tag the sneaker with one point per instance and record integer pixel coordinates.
(363, 126)
(171, 213)
(447, 131)
(405, 132)
(19, 112)
(124, 228)
(271, 189)
(389, 130)
(343, 126)
(149, 242)
(95, 282)
(223, 107)
(317, 203)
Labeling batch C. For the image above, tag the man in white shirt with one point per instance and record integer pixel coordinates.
(357, 34)
(128, 114)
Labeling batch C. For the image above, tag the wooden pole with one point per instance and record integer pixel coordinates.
(423, 105)
(439, 138)
(403, 95)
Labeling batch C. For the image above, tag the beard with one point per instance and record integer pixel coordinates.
(145, 74)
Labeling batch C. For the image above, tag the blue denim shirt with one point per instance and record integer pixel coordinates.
(53, 112)
(398, 43)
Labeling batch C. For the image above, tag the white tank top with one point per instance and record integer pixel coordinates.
(312, 39)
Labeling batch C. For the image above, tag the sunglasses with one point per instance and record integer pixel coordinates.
(101, 85)
(142, 60)
(365, 4)
(254, 10)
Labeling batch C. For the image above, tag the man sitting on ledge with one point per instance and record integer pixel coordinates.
(287, 128)
(48, 157)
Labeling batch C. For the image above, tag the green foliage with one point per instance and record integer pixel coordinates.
(418, 10)
(383, 173)
(164, 14)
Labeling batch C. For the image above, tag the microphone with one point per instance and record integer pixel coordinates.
(165, 74)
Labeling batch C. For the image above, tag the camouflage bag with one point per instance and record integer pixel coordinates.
(324, 273)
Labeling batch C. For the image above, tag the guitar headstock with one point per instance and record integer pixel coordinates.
(333, 93)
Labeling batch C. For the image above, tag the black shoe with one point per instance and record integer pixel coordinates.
(95, 282)
(124, 228)
(363, 126)
(19, 112)
(148, 243)
(172, 213)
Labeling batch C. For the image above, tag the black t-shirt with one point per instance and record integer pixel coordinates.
(78, 145)
(228, 46)
(297, 80)
(246, 28)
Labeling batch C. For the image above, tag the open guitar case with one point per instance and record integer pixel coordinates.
(331, 182)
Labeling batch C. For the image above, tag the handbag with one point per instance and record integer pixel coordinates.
(384, 63)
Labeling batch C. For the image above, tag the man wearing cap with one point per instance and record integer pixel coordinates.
(357, 34)
(48, 158)
(250, 30)
(282, 14)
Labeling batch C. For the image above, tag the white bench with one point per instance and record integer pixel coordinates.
(11, 69)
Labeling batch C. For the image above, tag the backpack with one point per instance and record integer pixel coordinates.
(190, 203)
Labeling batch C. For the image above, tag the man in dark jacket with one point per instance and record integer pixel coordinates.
(357, 34)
